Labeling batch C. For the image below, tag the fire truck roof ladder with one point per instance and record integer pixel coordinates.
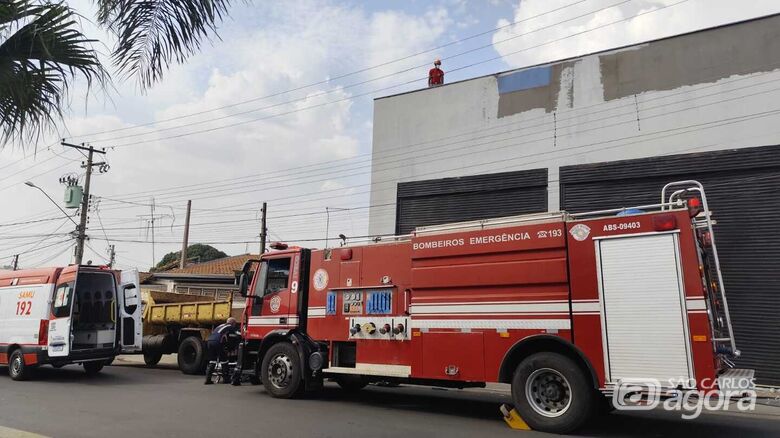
(706, 222)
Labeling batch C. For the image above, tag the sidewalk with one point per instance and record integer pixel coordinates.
(168, 361)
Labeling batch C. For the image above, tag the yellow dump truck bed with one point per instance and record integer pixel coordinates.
(193, 313)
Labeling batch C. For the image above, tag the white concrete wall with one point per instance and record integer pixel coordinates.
(455, 130)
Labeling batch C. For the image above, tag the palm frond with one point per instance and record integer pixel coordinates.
(41, 52)
(153, 34)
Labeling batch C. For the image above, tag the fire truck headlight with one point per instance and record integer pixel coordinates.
(316, 360)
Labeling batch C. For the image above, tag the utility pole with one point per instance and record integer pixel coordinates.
(150, 220)
(154, 259)
(111, 255)
(81, 231)
(263, 229)
(15, 263)
(185, 242)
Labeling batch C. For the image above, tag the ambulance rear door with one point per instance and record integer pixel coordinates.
(130, 311)
(60, 322)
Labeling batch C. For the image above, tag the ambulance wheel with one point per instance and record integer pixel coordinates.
(351, 382)
(281, 371)
(92, 368)
(152, 359)
(17, 369)
(192, 356)
(552, 393)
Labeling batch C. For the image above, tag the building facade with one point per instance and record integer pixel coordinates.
(607, 130)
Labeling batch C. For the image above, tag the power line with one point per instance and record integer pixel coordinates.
(408, 148)
(341, 76)
(471, 147)
(202, 131)
(718, 123)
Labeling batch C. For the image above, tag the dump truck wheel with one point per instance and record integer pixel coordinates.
(192, 356)
(17, 369)
(92, 368)
(351, 383)
(281, 371)
(552, 394)
(152, 358)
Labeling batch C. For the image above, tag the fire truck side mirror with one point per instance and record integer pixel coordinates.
(243, 284)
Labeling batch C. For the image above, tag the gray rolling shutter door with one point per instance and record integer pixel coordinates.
(743, 189)
(439, 201)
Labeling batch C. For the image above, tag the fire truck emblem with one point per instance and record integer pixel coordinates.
(276, 303)
(580, 232)
(320, 279)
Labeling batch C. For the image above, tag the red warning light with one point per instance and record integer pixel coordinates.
(666, 222)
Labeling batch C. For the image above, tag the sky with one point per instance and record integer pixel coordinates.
(278, 108)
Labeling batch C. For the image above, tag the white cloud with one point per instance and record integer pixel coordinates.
(679, 17)
(267, 49)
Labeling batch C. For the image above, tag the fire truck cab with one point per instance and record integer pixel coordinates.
(563, 307)
(65, 315)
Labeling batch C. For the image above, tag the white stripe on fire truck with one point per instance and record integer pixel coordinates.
(561, 324)
(586, 306)
(695, 304)
(479, 308)
(272, 320)
(316, 312)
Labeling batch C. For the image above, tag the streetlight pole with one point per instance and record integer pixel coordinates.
(30, 184)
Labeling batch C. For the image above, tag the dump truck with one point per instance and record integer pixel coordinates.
(181, 323)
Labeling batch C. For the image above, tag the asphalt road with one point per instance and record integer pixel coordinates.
(131, 401)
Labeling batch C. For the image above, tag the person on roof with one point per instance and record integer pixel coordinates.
(436, 75)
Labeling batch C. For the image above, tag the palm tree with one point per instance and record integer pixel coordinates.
(43, 50)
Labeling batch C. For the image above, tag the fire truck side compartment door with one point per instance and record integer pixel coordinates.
(454, 356)
(131, 310)
(59, 325)
(643, 316)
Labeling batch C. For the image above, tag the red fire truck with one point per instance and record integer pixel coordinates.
(562, 306)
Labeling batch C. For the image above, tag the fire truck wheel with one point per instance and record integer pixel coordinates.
(92, 368)
(281, 371)
(16, 366)
(351, 383)
(192, 356)
(551, 393)
(152, 358)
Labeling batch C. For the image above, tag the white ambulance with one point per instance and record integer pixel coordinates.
(60, 316)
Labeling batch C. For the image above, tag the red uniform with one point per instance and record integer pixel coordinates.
(435, 77)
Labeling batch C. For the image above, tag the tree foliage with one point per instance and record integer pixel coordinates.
(43, 50)
(153, 34)
(197, 253)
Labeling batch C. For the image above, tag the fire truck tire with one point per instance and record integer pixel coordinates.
(280, 371)
(192, 356)
(17, 369)
(552, 393)
(152, 358)
(351, 382)
(92, 368)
